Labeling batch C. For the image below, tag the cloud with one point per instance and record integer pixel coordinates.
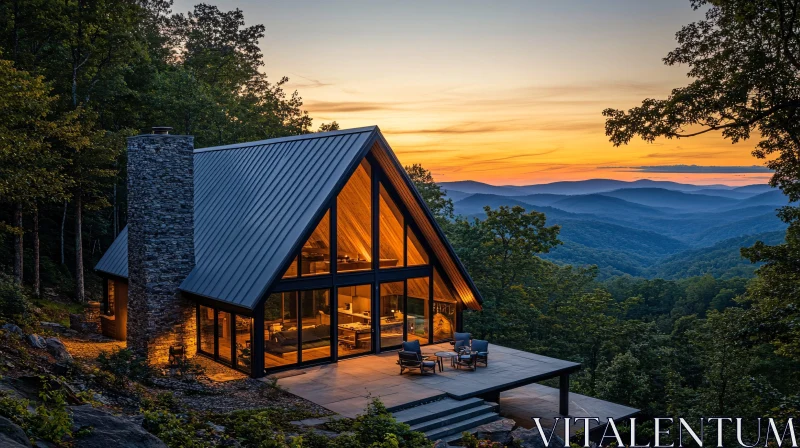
(309, 84)
(688, 169)
(345, 106)
(687, 154)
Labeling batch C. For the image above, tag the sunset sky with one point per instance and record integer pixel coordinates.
(499, 92)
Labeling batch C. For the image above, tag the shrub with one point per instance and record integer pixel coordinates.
(376, 427)
(172, 430)
(13, 301)
(123, 363)
(257, 430)
(50, 420)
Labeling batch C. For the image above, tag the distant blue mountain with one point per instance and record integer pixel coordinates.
(642, 228)
(574, 187)
(679, 200)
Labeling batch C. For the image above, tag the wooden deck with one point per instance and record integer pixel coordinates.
(347, 387)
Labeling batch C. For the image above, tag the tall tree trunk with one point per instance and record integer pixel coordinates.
(79, 292)
(63, 221)
(18, 254)
(115, 208)
(37, 279)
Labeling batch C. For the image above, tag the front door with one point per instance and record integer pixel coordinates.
(356, 316)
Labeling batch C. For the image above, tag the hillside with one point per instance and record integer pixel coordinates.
(722, 260)
(642, 228)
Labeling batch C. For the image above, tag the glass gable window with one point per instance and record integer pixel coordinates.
(354, 222)
(391, 232)
(444, 309)
(416, 254)
(315, 256)
(291, 271)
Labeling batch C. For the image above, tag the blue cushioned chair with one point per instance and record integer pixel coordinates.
(462, 341)
(482, 349)
(413, 360)
(412, 346)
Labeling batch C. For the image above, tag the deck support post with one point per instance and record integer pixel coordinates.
(563, 407)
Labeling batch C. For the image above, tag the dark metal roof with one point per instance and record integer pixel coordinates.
(254, 202)
(115, 260)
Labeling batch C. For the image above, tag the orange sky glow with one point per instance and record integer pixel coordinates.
(502, 93)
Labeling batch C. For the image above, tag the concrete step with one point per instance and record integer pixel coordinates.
(452, 418)
(435, 410)
(454, 430)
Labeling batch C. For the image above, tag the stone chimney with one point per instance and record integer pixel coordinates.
(160, 243)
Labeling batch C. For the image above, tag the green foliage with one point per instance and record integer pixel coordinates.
(124, 365)
(13, 300)
(378, 428)
(173, 430)
(256, 430)
(50, 421)
(436, 199)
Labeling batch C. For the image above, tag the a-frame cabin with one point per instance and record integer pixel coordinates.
(306, 249)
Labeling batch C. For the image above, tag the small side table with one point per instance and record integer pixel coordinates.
(442, 355)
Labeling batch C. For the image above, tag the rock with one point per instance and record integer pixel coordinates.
(530, 438)
(52, 326)
(440, 444)
(37, 341)
(11, 328)
(56, 348)
(107, 430)
(496, 431)
(12, 435)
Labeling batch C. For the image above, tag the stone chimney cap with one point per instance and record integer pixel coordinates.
(161, 130)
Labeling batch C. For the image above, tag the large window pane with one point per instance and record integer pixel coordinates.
(391, 232)
(244, 352)
(224, 335)
(355, 319)
(316, 324)
(207, 329)
(416, 254)
(280, 329)
(315, 256)
(418, 309)
(391, 314)
(444, 309)
(354, 222)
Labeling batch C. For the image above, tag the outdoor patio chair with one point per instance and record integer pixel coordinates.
(466, 361)
(413, 360)
(482, 351)
(412, 346)
(461, 340)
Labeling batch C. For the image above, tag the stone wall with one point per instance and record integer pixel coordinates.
(160, 244)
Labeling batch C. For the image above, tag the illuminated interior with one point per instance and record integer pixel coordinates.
(325, 310)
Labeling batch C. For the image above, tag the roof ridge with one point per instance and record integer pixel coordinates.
(309, 136)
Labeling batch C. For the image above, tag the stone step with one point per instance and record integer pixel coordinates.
(434, 410)
(453, 431)
(452, 418)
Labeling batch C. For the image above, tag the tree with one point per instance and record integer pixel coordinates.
(216, 62)
(501, 255)
(30, 173)
(744, 59)
(439, 204)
